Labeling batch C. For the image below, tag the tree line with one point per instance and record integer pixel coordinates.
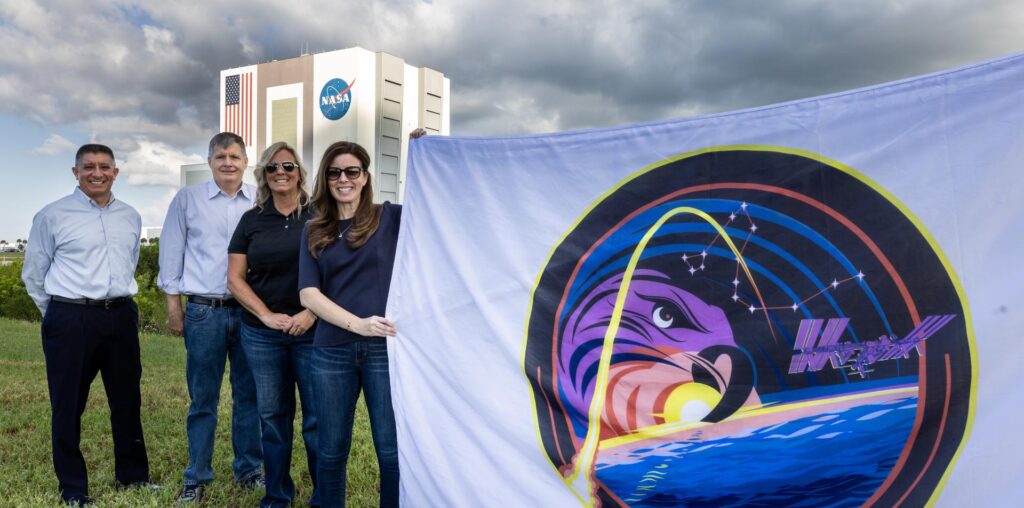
(17, 246)
(16, 304)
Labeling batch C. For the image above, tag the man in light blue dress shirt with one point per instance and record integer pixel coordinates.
(80, 271)
(193, 262)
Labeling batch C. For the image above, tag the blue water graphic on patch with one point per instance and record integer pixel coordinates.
(839, 458)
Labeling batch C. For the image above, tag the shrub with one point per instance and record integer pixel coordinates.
(14, 300)
(16, 304)
(152, 311)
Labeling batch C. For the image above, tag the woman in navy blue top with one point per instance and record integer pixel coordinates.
(348, 251)
(276, 331)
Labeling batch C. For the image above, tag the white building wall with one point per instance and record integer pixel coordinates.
(357, 67)
(410, 120)
(150, 232)
(446, 111)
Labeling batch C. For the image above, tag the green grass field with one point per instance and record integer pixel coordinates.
(26, 471)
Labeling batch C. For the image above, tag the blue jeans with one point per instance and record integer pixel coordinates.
(211, 338)
(338, 374)
(279, 362)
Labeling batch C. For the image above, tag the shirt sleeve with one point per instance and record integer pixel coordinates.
(137, 225)
(239, 243)
(172, 246)
(309, 267)
(38, 256)
(397, 214)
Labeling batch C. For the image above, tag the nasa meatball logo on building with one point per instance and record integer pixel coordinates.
(336, 98)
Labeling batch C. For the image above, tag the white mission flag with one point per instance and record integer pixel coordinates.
(810, 304)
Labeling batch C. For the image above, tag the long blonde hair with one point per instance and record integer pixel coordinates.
(263, 194)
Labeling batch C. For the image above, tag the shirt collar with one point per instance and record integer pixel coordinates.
(269, 208)
(248, 191)
(212, 190)
(86, 200)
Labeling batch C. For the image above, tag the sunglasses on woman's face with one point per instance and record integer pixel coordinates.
(351, 172)
(288, 167)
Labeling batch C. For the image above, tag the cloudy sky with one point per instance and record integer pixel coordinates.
(142, 76)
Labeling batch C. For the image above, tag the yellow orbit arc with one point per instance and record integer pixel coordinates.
(581, 480)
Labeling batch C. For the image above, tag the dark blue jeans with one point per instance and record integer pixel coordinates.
(280, 362)
(339, 372)
(211, 338)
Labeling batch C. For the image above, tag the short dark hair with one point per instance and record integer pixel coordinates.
(225, 140)
(93, 148)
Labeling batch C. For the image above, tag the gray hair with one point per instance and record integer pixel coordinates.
(225, 140)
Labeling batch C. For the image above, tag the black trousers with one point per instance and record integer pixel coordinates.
(78, 342)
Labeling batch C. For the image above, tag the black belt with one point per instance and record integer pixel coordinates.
(213, 302)
(109, 303)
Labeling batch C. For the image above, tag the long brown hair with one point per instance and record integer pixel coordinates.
(323, 227)
(263, 194)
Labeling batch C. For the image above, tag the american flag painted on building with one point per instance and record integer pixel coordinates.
(238, 105)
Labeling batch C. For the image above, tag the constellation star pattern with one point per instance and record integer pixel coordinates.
(751, 228)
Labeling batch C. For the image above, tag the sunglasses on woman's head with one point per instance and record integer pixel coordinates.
(351, 172)
(288, 167)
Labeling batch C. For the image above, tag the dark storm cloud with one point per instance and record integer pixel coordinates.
(664, 60)
(515, 67)
(601, 64)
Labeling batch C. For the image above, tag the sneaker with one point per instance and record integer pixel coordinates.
(253, 481)
(191, 494)
(139, 485)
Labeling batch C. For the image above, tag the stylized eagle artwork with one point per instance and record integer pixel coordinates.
(674, 360)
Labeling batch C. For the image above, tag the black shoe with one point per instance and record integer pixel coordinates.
(78, 501)
(253, 481)
(191, 494)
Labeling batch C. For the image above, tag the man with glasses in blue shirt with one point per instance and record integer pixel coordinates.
(80, 272)
(194, 263)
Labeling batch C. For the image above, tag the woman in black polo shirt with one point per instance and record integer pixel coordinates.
(277, 332)
(344, 274)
